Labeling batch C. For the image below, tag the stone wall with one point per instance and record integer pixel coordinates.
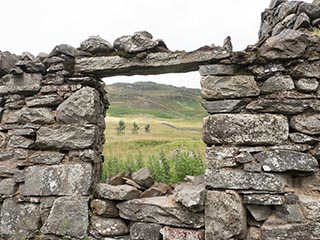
(262, 135)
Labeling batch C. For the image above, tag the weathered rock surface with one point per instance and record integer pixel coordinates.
(50, 100)
(104, 208)
(219, 70)
(282, 160)
(306, 123)
(221, 87)
(306, 69)
(240, 180)
(150, 231)
(162, 210)
(7, 187)
(28, 115)
(19, 220)
(307, 84)
(190, 195)
(225, 215)
(221, 157)
(143, 177)
(20, 142)
(96, 44)
(156, 190)
(67, 179)
(277, 83)
(244, 129)
(310, 206)
(7, 61)
(264, 199)
(66, 136)
(302, 138)
(46, 157)
(259, 212)
(153, 63)
(286, 45)
(69, 216)
(81, 107)
(170, 233)
(224, 106)
(119, 192)
(23, 84)
(109, 227)
(289, 213)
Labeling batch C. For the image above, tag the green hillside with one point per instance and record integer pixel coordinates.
(158, 100)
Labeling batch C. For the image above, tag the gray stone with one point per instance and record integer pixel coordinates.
(307, 84)
(277, 83)
(119, 192)
(190, 195)
(268, 70)
(22, 132)
(285, 9)
(66, 179)
(302, 138)
(219, 70)
(7, 187)
(157, 189)
(292, 147)
(303, 21)
(224, 106)
(284, 106)
(143, 177)
(51, 100)
(259, 212)
(81, 107)
(28, 115)
(254, 233)
(310, 206)
(221, 157)
(225, 215)
(24, 83)
(3, 140)
(306, 69)
(264, 199)
(245, 129)
(140, 231)
(46, 157)
(7, 62)
(153, 63)
(170, 233)
(282, 160)
(109, 227)
(138, 42)
(289, 213)
(64, 49)
(69, 216)
(66, 136)
(104, 208)
(286, 45)
(221, 87)
(240, 180)
(252, 167)
(306, 123)
(117, 179)
(162, 210)
(275, 3)
(19, 220)
(246, 156)
(6, 154)
(275, 229)
(96, 44)
(20, 142)
(312, 10)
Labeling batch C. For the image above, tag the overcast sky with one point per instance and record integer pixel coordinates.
(38, 25)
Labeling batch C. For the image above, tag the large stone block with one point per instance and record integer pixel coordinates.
(283, 160)
(222, 87)
(119, 192)
(109, 227)
(66, 136)
(245, 129)
(69, 216)
(225, 215)
(162, 210)
(240, 180)
(28, 115)
(306, 123)
(24, 83)
(7, 187)
(67, 179)
(306, 70)
(83, 106)
(19, 220)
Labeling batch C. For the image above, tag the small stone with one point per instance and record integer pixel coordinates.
(64, 49)
(109, 227)
(51, 100)
(254, 233)
(306, 123)
(119, 192)
(150, 231)
(96, 44)
(306, 69)
(20, 153)
(20, 142)
(143, 177)
(5, 155)
(264, 199)
(22, 132)
(104, 208)
(156, 190)
(307, 84)
(220, 208)
(7, 62)
(46, 157)
(244, 157)
(28, 115)
(259, 212)
(312, 10)
(25, 83)
(303, 21)
(219, 70)
(170, 233)
(190, 196)
(117, 179)
(310, 206)
(221, 157)
(224, 106)
(277, 83)
(289, 213)
(7, 187)
(222, 87)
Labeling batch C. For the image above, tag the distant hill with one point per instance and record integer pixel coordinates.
(153, 99)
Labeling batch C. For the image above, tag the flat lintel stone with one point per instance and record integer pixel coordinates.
(153, 63)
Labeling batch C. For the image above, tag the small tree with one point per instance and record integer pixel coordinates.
(135, 128)
(147, 128)
(121, 127)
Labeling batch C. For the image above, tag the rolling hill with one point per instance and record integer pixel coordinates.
(153, 99)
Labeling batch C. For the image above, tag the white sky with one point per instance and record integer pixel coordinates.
(38, 25)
